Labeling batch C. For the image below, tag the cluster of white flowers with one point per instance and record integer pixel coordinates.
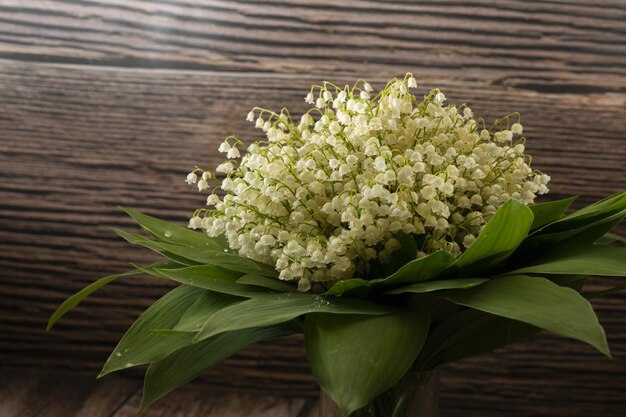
(326, 196)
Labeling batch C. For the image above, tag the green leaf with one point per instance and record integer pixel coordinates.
(406, 253)
(443, 284)
(484, 335)
(77, 298)
(592, 234)
(273, 284)
(158, 247)
(212, 278)
(356, 358)
(417, 270)
(343, 286)
(190, 362)
(193, 256)
(226, 260)
(141, 345)
(498, 239)
(171, 233)
(583, 226)
(610, 238)
(585, 234)
(538, 302)
(202, 309)
(581, 260)
(576, 282)
(487, 332)
(446, 333)
(608, 205)
(609, 291)
(271, 309)
(420, 270)
(222, 259)
(545, 213)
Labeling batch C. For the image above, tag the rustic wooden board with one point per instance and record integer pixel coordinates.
(543, 45)
(111, 103)
(31, 394)
(195, 401)
(93, 153)
(27, 393)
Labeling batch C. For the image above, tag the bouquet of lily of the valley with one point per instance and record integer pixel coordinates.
(398, 234)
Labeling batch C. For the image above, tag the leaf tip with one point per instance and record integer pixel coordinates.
(605, 349)
(56, 315)
(145, 402)
(106, 369)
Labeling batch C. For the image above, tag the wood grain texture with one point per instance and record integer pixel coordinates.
(50, 394)
(543, 45)
(27, 393)
(195, 401)
(85, 153)
(111, 103)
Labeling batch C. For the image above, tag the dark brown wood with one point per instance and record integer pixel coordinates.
(28, 393)
(543, 45)
(111, 103)
(199, 402)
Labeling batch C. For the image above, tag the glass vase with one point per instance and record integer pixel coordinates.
(415, 395)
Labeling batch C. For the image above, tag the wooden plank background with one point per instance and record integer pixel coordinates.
(107, 103)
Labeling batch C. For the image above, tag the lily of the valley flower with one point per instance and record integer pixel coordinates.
(322, 198)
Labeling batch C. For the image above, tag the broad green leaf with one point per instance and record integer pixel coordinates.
(212, 278)
(594, 233)
(498, 239)
(356, 358)
(545, 213)
(168, 232)
(193, 256)
(439, 308)
(580, 260)
(575, 282)
(190, 362)
(586, 234)
(443, 284)
(406, 253)
(418, 270)
(485, 335)
(608, 205)
(77, 298)
(265, 310)
(538, 302)
(343, 286)
(222, 259)
(273, 284)
(135, 239)
(582, 226)
(202, 309)
(141, 345)
(610, 238)
(225, 260)
(446, 333)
